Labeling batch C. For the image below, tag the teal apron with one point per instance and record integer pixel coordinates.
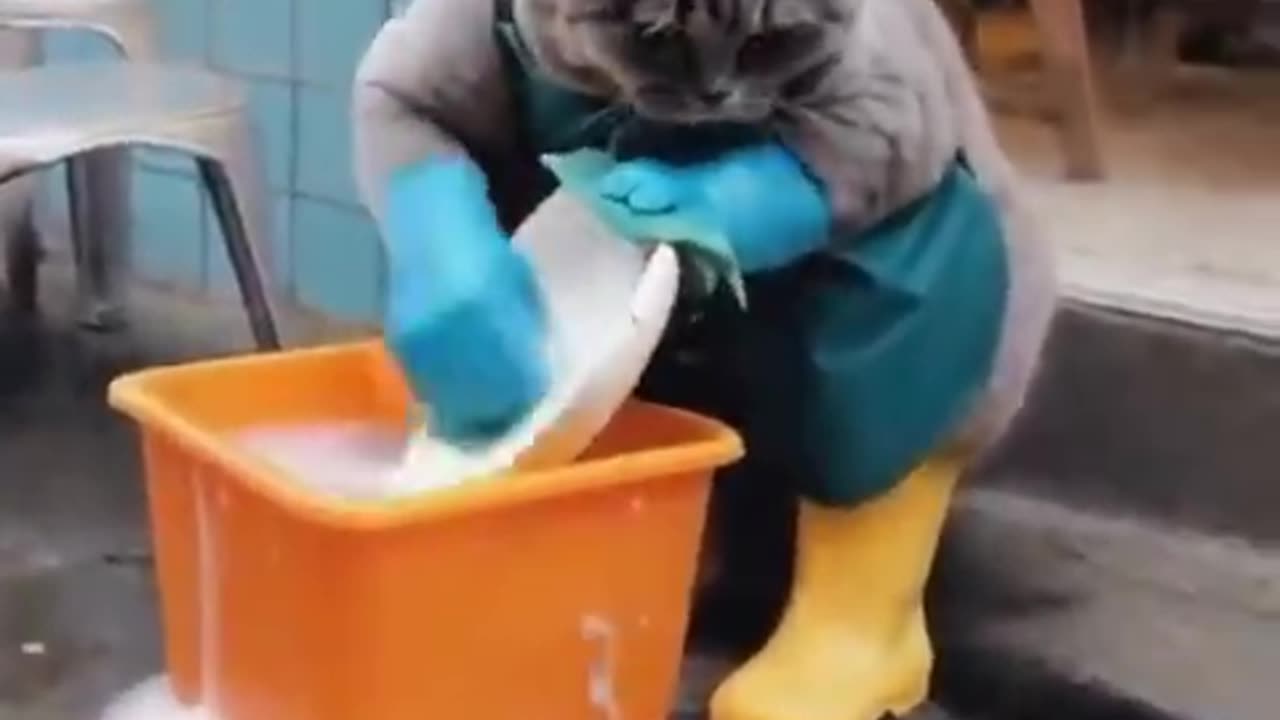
(845, 370)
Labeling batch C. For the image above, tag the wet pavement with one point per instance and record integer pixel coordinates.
(76, 602)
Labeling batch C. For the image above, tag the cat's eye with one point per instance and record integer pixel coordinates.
(765, 51)
(757, 45)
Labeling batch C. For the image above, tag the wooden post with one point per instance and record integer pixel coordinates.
(1061, 24)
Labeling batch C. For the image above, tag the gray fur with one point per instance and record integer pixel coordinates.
(877, 102)
(688, 61)
(844, 81)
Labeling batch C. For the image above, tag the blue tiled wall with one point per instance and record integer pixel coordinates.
(297, 58)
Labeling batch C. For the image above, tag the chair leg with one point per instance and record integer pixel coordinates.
(1061, 25)
(22, 263)
(1160, 49)
(22, 251)
(244, 263)
(97, 197)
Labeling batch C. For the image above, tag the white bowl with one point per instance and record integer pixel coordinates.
(608, 303)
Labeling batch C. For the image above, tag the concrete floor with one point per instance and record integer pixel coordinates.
(76, 608)
(1187, 223)
(77, 603)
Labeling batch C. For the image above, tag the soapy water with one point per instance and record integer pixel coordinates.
(365, 461)
(341, 460)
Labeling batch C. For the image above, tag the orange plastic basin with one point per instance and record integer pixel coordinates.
(549, 595)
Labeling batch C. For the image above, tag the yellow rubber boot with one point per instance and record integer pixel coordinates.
(853, 643)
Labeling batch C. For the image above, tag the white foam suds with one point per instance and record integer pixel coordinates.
(602, 690)
(153, 699)
(345, 460)
(365, 461)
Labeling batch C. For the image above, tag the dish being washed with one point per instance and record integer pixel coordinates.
(608, 302)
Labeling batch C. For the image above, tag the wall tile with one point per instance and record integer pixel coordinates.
(298, 61)
(221, 280)
(397, 8)
(184, 28)
(332, 36)
(324, 145)
(168, 237)
(271, 108)
(271, 111)
(184, 35)
(337, 261)
(255, 37)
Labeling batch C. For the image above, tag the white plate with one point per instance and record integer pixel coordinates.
(608, 303)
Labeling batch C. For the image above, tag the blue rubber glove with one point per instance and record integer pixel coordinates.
(759, 197)
(710, 259)
(464, 317)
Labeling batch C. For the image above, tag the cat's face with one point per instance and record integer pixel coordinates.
(689, 61)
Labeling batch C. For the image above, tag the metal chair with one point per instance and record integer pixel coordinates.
(103, 200)
(128, 24)
(68, 111)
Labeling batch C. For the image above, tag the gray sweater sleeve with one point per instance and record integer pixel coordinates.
(431, 83)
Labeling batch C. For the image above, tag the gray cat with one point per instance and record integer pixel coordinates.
(874, 95)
